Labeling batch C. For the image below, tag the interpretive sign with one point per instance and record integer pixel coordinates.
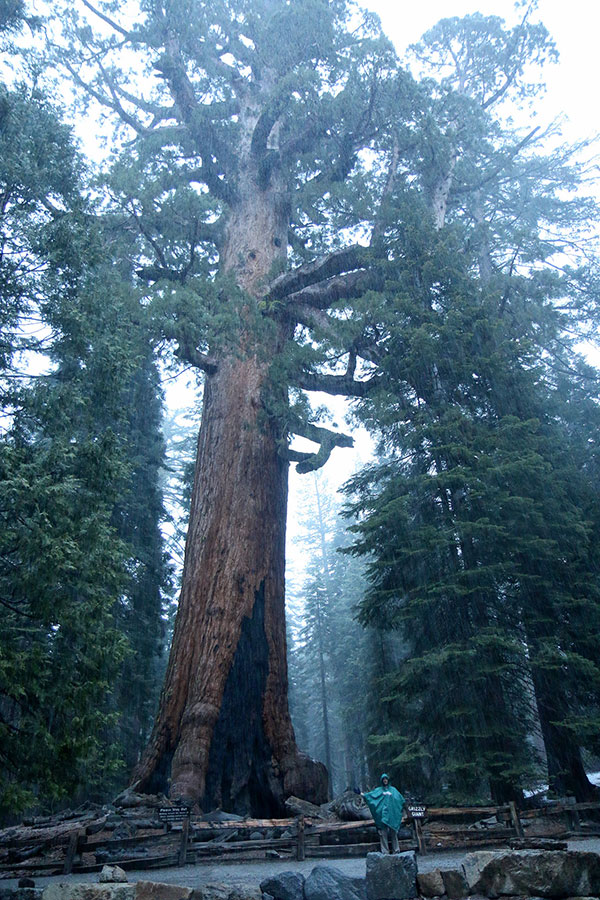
(416, 811)
(173, 813)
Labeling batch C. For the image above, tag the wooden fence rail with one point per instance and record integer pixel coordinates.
(192, 841)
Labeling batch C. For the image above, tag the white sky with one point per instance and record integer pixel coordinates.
(573, 24)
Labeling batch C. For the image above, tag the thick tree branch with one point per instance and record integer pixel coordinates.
(337, 385)
(310, 462)
(334, 263)
(340, 287)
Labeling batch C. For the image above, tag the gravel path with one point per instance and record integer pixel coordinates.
(252, 873)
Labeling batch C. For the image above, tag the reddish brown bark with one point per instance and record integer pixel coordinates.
(223, 734)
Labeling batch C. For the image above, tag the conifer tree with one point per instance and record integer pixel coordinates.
(472, 520)
(75, 550)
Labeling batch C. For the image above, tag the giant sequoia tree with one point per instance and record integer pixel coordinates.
(245, 124)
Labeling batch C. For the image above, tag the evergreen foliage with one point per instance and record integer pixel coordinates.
(479, 517)
(81, 562)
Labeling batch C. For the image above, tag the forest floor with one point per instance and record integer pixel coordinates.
(252, 873)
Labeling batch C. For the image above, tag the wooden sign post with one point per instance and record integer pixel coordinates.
(170, 814)
(417, 813)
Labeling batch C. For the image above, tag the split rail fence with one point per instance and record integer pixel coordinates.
(190, 841)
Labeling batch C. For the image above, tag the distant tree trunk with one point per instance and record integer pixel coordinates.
(322, 673)
(566, 774)
(324, 703)
(223, 735)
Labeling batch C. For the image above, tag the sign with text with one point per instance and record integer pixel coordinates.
(173, 813)
(416, 810)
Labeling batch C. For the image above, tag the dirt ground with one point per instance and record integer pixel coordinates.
(252, 873)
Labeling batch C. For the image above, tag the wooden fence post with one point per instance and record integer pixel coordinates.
(300, 852)
(573, 814)
(185, 831)
(514, 815)
(70, 854)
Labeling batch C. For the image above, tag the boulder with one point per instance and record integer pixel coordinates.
(154, 890)
(66, 891)
(455, 884)
(112, 874)
(284, 886)
(391, 877)
(131, 800)
(540, 873)
(430, 884)
(245, 892)
(219, 891)
(299, 807)
(211, 892)
(328, 883)
(123, 831)
(350, 807)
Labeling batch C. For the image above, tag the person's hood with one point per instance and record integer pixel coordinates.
(385, 775)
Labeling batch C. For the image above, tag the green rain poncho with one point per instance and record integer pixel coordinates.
(386, 805)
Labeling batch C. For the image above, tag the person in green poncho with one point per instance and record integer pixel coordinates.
(386, 805)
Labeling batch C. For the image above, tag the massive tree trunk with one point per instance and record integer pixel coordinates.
(223, 735)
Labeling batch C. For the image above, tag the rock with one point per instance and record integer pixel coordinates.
(123, 831)
(154, 890)
(211, 892)
(287, 835)
(271, 854)
(112, 874)
(391, 877)
(299, 807)
(430, 884)
(350, 807)
(284, 886)
(65, 891)
(96, 827)
(455, 884)
(26, 883)
(542, 873)
(475, 863)
(256, 836)
(245, 892)
(328, 883)
(359, 883)
(130, 800)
